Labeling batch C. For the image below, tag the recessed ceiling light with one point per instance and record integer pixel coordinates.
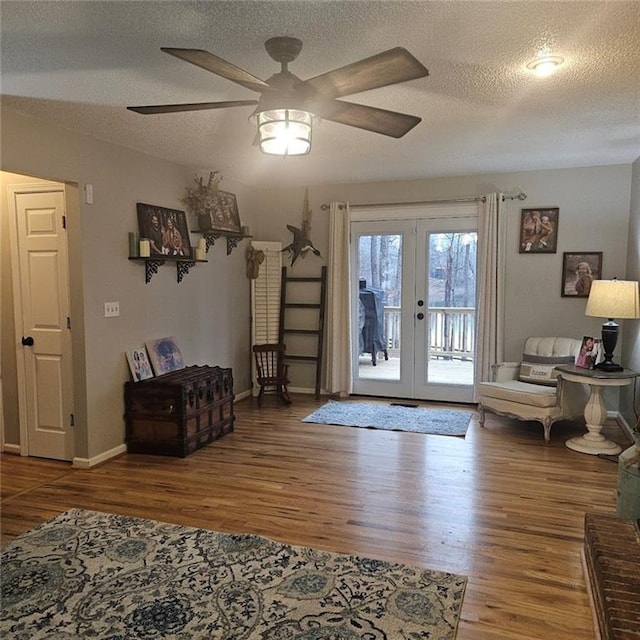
(545, 65)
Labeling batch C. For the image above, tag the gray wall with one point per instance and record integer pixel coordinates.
(631, 345)
(209, 311)
(594, 216)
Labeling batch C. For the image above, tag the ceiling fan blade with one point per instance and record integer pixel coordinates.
(389, 67)
(388, 123)
(196, 106)
(220, 67)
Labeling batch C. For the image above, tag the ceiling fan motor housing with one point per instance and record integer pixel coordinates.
(283, 48)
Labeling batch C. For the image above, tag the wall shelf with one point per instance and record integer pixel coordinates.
(233, 238)
(153, 263)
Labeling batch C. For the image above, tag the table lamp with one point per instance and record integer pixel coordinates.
(612, 299)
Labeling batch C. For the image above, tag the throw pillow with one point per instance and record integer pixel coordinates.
(541, 369)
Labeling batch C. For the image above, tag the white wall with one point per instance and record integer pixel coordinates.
(208, 312)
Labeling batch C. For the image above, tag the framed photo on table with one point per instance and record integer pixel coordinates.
(165, 355)
(139, 364)
(579, 270)
(539, 230)
(590, 353)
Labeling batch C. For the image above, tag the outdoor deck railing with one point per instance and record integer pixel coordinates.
(451, 331)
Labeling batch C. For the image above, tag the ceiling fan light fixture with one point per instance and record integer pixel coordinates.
(285, 132)
(545, 65)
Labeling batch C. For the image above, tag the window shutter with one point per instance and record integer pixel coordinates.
(265, 299)
(265, 294)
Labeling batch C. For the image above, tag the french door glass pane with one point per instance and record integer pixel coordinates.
(451, 296)
(380, 295)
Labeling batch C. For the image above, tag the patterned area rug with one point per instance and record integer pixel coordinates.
(440, 422)
(94, 575)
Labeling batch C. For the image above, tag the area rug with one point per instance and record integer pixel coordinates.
(86, 574)
(441, 422)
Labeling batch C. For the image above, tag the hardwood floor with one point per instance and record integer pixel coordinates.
(498, 506)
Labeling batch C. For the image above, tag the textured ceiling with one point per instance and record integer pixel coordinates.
(80, 64)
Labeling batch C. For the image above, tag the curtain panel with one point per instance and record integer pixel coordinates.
(338, 336)
(490, 303)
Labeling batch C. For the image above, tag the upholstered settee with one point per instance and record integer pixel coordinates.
(531, 389)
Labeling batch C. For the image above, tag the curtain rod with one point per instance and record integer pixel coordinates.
(518, 196)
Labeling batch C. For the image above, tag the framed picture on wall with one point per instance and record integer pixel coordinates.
(579, 270)
(166, 230)
(539, 230)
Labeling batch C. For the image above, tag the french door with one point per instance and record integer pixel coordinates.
(413, 306)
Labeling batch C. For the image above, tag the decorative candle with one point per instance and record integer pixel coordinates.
(200, 254)
(133, 245)
(245, 230)
(145, 248)
(202, 245)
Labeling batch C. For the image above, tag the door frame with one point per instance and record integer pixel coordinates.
(379, 216)
(12, 189)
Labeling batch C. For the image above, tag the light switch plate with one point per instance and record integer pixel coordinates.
(111, 309)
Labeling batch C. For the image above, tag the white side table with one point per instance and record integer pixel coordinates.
(595, 413)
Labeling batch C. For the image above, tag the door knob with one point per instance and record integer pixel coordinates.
(420, 303)
(420, 316)
(27, 341)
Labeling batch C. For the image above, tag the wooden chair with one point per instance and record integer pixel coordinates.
(271, 371)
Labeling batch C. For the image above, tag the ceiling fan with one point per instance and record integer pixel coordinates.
(317, 96)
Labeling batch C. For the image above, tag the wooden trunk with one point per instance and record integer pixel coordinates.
(612, 554)
(179, 412)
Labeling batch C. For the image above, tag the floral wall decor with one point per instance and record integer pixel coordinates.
(202, 199)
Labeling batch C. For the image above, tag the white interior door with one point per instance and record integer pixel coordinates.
(416, 279)
(41, 302)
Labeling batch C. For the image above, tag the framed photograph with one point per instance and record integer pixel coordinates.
(139, 364)
(165, 355)
(590, 352)
(539, 230)
(221, 213)
(166, 230)
(579, 270)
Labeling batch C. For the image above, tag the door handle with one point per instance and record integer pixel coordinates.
(421, 303)
(420, 316)
(27, 341)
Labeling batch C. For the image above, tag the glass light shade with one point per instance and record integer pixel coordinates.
(285, 132)
(613, 299)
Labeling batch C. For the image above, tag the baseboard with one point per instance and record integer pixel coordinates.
(620, 419)
(88, 463)
(11, 448)
(304, 390)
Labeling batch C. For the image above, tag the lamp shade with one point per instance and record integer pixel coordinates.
(613, 299)
(285, 132)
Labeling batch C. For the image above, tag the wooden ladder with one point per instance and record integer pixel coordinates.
(317, 330)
